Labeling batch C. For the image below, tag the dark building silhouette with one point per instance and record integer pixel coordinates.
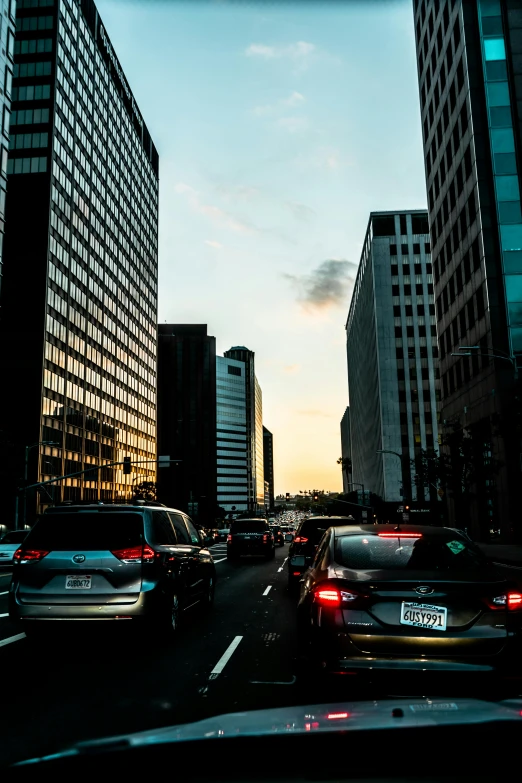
(268, 464)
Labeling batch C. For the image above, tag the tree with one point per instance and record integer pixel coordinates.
(146, 490)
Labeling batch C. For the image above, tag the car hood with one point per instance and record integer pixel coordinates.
(392, 714)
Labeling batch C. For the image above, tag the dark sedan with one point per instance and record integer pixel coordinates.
(303, 547)
(412, 598)
(279, 538)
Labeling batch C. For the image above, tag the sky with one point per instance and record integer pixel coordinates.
(279, 127)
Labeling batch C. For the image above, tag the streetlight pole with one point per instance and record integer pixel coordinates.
(397, 454)
(358, 484)
(26, 472)
(473, 350)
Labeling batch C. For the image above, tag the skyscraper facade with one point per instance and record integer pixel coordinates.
(79, 296)
(268, 465)
(7, 39)
(254, 418)
(346, 451)
(187, 419)
(232, 448)
(470, 84)
(392, 356)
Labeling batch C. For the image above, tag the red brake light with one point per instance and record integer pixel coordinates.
(300, 540)
(265, 538)
(32, 555)
(330, 597)
(514, 601)
(229, 538)
(337, 715)
(135, 554)
(399, 534)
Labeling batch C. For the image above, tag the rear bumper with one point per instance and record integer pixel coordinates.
(345, 665)
(255, 551)
(145, 606)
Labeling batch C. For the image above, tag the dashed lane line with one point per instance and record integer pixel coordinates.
(267, 590)
(12, 639)
(220, 560)
(227, 655)
(282, 566)
(5, 592)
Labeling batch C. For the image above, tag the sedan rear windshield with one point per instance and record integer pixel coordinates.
(86, 531)
(248, 525)
(427, 553)
(15, 537)
(313, 529)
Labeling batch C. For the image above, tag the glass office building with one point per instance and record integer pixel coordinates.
(80, 253)
(470, 86)
(232, 452)
(7, 38)
(391, 342)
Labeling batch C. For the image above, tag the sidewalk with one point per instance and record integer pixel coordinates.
(510, 554)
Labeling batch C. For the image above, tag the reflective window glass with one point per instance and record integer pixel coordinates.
(513, 288)
(507, 188)
(511, 238)
(500, 116)
(502, 140)
(515, 313)
(516, 338)
(494, 49)
(512, 262)
(509, 212)
(498, 93)
(505, 163)
(489, 8)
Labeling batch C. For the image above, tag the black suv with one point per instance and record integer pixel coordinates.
(111, 562)
(307, 537)
(250, 537)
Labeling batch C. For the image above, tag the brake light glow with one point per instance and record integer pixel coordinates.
(328, 597)
(29, 555)
(337, 715)
(135, 554)
(511, 601)
(514, 601)
(229, 538)
(265, 538)
(399, 534)
(300, 540)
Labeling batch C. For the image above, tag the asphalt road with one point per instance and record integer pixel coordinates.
(240, 656)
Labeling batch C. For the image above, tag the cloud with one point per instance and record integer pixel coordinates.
(293, 124)
(294, 100)
(213, 243)
(216, 214)
(295, 51)
(301, 211)
(292, 369)
(326, 286)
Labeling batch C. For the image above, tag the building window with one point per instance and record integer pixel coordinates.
(404, 250)
(393, 250)
(234, 370)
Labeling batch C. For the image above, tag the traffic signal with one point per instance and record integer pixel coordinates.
(287, 496)
(127, 467)
(316, 498)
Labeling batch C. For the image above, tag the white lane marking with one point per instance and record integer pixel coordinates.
(227, 655)
(6, 592)
(4, 575)
(220, 560)
(273, 682)
(280, 569)
(12, 639)
(5, 614)
(267, 590)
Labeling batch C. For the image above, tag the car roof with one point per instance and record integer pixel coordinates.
(426, 530)
(61, 509)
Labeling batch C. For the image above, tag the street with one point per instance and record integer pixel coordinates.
(240, 656)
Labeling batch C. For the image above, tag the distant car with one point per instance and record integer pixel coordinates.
(213, 535)
(279, 538)
(9, 543)
(414, 598)
(288, 533)
(120, 562)
(303, 547)
(250, 537)
(223, 533)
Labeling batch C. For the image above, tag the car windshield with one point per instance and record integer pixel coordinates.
(395, 552)
(248, 526)
(313, 529)
(14, 537)
(86, 531)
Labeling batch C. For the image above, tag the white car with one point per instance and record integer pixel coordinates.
(9, 543)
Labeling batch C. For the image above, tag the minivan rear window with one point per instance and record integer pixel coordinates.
(313, 529)
(14, 537)
(426, 553)
(86, 531)
(246, 525)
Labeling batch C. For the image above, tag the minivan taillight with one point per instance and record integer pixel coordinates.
(135, 554)
(229, 539)
(29, 555)
(300, 540)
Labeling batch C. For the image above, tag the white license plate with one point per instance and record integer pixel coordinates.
(75, 582)
(424, 616)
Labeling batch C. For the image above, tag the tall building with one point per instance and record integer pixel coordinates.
(79, 296)
(7, 38)
(268, 465)
(470, 83)
(232, 450)
(346, 451)
(392, 355)
(187, 419)
(254, 417)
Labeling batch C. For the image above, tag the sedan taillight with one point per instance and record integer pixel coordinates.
(511, 601)
(135, 554)
(229, 539)
(334, 596)
(300, 540)
(29, 555)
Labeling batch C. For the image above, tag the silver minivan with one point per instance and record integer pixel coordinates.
(111, 562)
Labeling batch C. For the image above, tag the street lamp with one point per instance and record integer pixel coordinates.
(397, 454)
(473, 350)
(26, 469)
